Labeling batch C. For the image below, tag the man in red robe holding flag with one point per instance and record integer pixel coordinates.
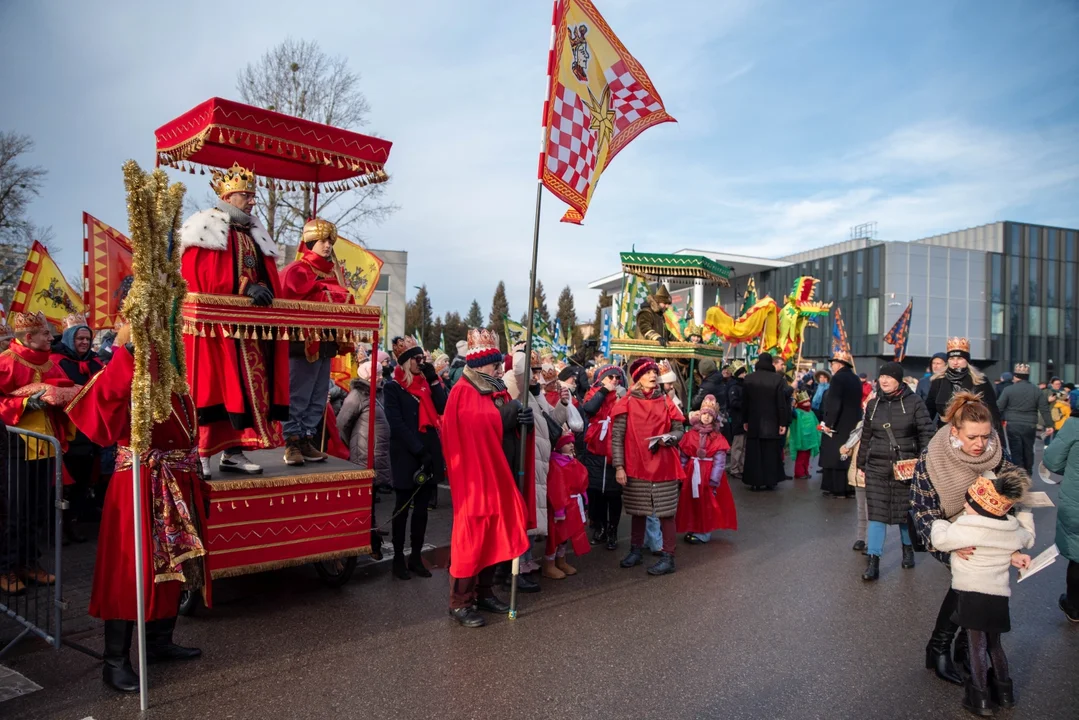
(240, 386)
(479, 428)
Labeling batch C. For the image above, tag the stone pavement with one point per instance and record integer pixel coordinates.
(771, 621)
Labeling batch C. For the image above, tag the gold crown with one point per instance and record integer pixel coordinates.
(984, 494)
(319, 229)
(404, 345)
(1022, 369)
(27, 322)
(958, 344)
(842, 356)
(74, 320)
(235, 179)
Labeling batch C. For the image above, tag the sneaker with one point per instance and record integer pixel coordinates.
(205, 467)
(310, 452)
(1069, 612)
(293, 455)
(238, 463)
(10, 584)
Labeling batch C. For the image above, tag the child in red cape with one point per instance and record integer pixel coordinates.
(567, 489)
(704, 453)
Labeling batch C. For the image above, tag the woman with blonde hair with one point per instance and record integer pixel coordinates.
(959, 376)
(966, 448)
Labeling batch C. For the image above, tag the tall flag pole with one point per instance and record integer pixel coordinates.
(900, 333)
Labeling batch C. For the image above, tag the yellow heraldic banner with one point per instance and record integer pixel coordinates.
(43, 287)
(600, 100)
(360, 269)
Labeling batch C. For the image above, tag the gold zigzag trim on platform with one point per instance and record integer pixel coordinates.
(292, 562)
(276, 520)
(283, 543)
(307, 529)
(287, 480)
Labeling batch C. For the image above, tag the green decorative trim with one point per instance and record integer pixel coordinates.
(667, 265)
(651, 348)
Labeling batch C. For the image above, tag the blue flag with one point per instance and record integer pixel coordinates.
(900, 332)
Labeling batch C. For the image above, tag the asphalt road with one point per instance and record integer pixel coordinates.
(771, 621)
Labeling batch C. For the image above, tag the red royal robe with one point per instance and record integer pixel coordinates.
(103, 413)
(223, 371)
(645, 418)
(567, 489)
(20, 366)
(711, 509)
(312, 278)
(488, 512)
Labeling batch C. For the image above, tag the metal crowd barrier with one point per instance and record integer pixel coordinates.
(31, 514)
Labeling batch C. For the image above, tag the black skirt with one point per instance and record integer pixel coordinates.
(985, 613)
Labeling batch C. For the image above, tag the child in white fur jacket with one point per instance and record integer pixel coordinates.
(982, 579)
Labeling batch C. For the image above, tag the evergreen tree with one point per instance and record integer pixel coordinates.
(419, 318)
(455, 330)
(603, 302)
(541, 304)
(433, 338)
(567, 313)
(475, 315)
(499, 306)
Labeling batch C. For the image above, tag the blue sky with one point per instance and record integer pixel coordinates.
(797, 121)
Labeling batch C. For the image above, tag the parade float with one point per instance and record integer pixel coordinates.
(285, 516)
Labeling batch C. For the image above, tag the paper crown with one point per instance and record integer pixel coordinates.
(74, 320)
(6, 333)
(235, 179)
(319, 229)
(958, 344)
(534, 360)
(983, 494)
(801, 398)
(550, 374)
(709, 406)
(1022, 369)
(693, 329)
(482, 348)
(441, 362)
(405, 348)
(27, 322)
(842, 356)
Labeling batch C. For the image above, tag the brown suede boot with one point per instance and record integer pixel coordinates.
(564, 566)
(550, 570)
(310, 452)
(293, 454)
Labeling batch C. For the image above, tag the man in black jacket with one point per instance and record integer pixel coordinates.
(767, 417)
(842, 411)
(714, 383)
(735, 390)
(1020, 404)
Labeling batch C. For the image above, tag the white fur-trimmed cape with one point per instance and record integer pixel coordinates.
(210, 229)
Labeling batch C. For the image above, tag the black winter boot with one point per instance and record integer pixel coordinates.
(908, 556)
(612, 537)
(872, 569)
(117, 671)
(665, 566)
(599, 536)
(400, 565)
(938, 656)
(415, 564)
(1002, 692)
(632, 558)
(159, 644)
(977, 701)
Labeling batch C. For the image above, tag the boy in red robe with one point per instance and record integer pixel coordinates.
(647, 428)
(701, 508)
(567, 493)
(240, 386)
(479, 428)
(173, 515)
(33, 391)
(313, 276)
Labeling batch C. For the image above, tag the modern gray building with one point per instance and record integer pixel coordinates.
(1009, 287)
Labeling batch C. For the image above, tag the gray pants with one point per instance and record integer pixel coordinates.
(863, 512)
(309, 387)
(737, 458)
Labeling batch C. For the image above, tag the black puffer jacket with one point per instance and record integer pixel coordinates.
(600, 471)
(887, 499)
(734, 406)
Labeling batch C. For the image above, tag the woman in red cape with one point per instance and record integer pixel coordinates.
(647, 428)
(567, 493)
(173, 514)
(479, 427)
(706, 502)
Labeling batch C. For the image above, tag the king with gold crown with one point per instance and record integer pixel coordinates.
(240, 385)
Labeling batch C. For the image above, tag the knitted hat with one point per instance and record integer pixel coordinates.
(566, 373)
(707, 366)
(940, 356)
(462, 348)
(405, 348)
(893, 370)
(709, 406)
(482, 348)
(959, 347)
(694, 417)
(1006, 377)
(640, 366)
(564, 440)
(609, 370)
